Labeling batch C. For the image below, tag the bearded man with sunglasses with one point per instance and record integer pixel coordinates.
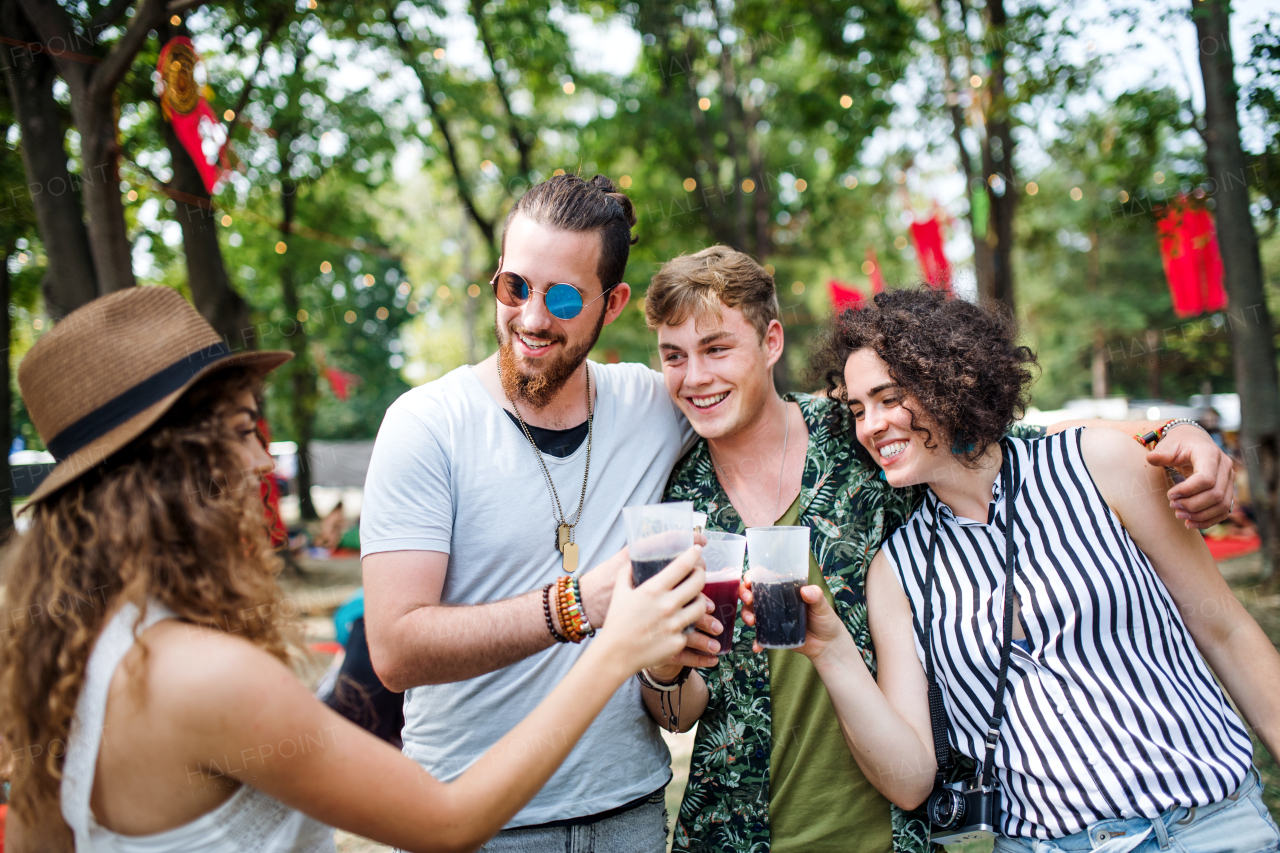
(489, 484)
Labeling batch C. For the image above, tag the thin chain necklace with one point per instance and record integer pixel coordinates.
(565, 543)
(777, 501)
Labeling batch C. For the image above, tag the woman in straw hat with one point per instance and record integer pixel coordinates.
(145, 693)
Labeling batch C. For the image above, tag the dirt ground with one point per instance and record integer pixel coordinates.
(326, 584)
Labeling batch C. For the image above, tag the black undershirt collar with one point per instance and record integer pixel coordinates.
(555, 442)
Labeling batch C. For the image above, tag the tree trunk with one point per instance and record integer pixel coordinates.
(70, 280)
(302, 374)
(1252, 339)
(95, 120)
(997, 160)
(211, 289)
(6, 405)
(1154, 374)
(93, 83)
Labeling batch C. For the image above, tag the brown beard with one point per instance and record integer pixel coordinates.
(538, 390)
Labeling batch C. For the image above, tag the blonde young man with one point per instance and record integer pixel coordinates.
(771, 769)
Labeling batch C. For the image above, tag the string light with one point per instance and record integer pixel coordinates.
(473, 291)
(690, 185)
(229, 115)
(382, 313)
(850, 182)
(569, 87)
(438, 53)
(900, 242)
(226, 220)
(868, 268)
(846, 101)
(704, 104)
(350, 316)
(133, 195)
(325, 266)
(1032, 188)
(368, 279)
(624, 181)
(1124, 196)
(801, 185)
(1076, 194)
(281, 248)
(748, 186)
(975, 81)
(302, 315)
(797, 288)
(1158, 177)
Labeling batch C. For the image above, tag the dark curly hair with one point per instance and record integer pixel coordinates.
(959, 362)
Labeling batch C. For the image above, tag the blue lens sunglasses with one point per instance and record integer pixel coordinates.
(564, 301)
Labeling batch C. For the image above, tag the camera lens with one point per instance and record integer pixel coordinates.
(945, 808)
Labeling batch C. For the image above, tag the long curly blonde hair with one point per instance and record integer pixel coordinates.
(173, 518)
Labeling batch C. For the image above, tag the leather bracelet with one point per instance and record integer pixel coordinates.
(664, 687)
(546, 611)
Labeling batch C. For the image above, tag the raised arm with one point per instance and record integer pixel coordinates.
(885, 719)
(242, 702)
(1241, 655)
(416, 640)
(1207, 494)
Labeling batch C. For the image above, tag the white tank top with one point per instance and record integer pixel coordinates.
(249, 822)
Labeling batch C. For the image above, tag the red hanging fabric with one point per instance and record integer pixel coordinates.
(186, 109)
(844, 296)
(270, 493)
(341, 382)
(877, 278)
(1192, 262)
(927, 236)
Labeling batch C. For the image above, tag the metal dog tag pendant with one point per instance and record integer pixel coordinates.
(562, 537)
(570, 563)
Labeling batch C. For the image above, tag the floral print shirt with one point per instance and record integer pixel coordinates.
(851, 509)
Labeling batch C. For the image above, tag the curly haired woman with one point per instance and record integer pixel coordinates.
(1074, 659)
(145, 690)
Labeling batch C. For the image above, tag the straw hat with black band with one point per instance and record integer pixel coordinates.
(108, 371)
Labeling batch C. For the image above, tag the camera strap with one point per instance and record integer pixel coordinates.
(937, 710)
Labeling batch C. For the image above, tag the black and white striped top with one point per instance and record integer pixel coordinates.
(1112, 712)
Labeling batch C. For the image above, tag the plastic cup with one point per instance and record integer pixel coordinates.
(779, 566)
(723, 554)
(656, 535)
(699, 521)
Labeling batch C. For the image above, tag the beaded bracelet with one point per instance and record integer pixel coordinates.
(1151, 439)
(587, 629)
(546, 611)
(564, 605)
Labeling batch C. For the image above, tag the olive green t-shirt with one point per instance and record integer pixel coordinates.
(819, 801)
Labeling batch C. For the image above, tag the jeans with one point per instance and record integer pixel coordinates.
(1238, 824)
(642, 829)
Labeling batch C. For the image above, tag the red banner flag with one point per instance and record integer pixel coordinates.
(186, 109)
(1192, 262)
(927, 236)
(844, 296)
(871, 266)
(341, 382)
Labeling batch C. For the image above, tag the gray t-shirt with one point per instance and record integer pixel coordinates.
(451, 473)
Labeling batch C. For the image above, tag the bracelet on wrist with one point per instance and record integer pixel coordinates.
(587, 629)
(664, 686)
(546, 611)
(1151, 439)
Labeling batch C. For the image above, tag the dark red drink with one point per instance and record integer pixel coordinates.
(780, 614)
(642, 570)
(724, 595)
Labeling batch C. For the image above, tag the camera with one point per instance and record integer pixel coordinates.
(962, 811)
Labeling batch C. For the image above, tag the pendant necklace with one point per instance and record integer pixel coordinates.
(565, 543)
(777, 500)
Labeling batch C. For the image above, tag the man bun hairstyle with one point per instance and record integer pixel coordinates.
(700, 283)
(959, 363)
(570, 203)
